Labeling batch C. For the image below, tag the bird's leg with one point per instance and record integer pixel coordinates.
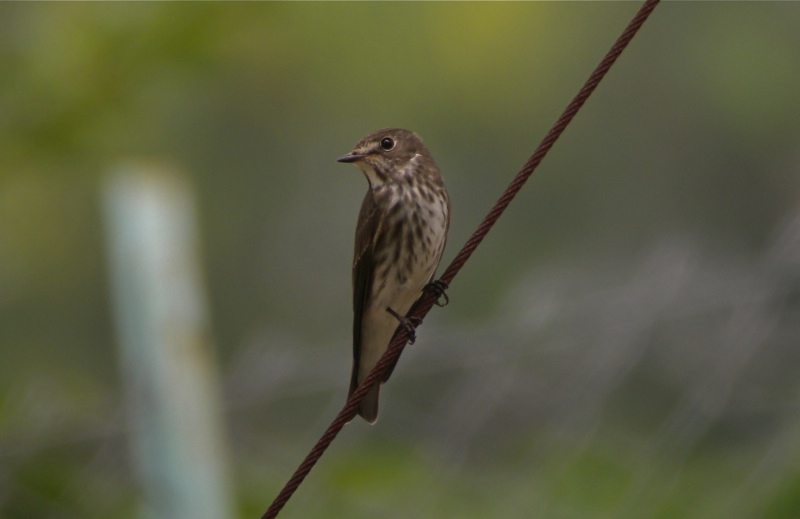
(409, 323)
(438, 287)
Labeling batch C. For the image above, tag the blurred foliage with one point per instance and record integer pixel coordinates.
(693, 134)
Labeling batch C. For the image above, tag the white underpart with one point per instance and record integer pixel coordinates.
(372, 177)
(378, 324)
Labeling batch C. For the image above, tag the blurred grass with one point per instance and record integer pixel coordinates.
(693, 134)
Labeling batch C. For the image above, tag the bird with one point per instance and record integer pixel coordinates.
(401, 234)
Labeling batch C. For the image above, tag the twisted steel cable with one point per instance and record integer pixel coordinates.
(429, 298)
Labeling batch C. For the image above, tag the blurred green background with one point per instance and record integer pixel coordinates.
(623, 345)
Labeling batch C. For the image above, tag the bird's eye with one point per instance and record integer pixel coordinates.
(387, 143)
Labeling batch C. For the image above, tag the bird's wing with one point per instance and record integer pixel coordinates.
(366, 236)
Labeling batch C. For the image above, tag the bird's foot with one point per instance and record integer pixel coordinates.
(438, 287)
(409, 323)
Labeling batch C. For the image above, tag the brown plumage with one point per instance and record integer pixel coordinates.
(400, 236)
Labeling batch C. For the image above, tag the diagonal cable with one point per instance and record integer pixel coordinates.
(429, 297)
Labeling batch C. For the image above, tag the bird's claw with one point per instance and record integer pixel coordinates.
(409, 323)
(438, 287)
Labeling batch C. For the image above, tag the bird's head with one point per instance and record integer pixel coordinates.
(391, 155)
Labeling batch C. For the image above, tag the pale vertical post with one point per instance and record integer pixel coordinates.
(168, 369)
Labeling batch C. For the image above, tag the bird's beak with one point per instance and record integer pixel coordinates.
(350, 157)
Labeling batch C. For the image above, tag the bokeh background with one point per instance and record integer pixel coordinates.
(624, 344)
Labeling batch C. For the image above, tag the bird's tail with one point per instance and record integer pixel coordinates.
(368, 408)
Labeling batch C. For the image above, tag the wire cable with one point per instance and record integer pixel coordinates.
(429, 297)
